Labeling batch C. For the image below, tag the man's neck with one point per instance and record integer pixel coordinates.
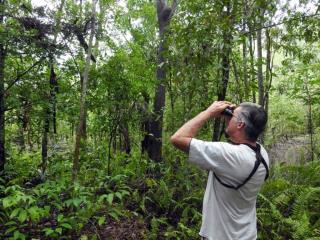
(242, 140)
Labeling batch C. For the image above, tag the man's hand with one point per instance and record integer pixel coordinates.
(217, 108)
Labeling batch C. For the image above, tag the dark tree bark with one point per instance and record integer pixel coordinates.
(223, 84)
(21, 141)
(309, 116)
(261, 84)
(2, 103)
(269, 67)
(252, 68)
(53, 77)
(23, 123)
(154, 137)
(145, 123)
(49, 110)
(238, 82)
(53, 92)
(268, 78)
(44, 142)
(244, 52)
(126, 144)
(260, 72)
(2, 96)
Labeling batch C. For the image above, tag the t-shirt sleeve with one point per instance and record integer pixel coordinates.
(207, 155)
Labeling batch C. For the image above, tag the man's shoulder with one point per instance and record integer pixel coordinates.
(221, 144)
(226, 147)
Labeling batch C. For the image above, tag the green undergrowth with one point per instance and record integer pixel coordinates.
(288, 205)
(157, 200)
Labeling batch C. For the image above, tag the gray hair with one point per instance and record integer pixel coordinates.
(255, 118)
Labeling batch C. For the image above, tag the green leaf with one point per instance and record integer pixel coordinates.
(47, 210)
(125, 193)
(68, 203)
(7, 202)
(84, 237)
(76, 202)
(48, 231)
(59, 230)
(34, 213)
(110, 198)
(114, 215)
(15, 212)
(10, 223)
(11, 229)
(66, 225)
(18, 235)
(118, 195)
(101, 220)
(22, 215)
(60, 217)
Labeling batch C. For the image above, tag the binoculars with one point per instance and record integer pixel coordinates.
(227, 112)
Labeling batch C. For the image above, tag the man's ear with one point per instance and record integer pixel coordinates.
(241, 125)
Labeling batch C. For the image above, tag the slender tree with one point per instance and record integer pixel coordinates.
(260, 71)
(82, 119)
(245, 50)
(50, 108)
(225, 63)
(3, 54)
(154, 136)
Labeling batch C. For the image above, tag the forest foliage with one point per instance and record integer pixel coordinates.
(91, 90)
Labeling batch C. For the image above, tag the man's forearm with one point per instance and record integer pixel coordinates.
(183, 136)
(191, 128)
(181, 139)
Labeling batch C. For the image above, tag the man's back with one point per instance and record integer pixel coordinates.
(236, 172)
(228, 213)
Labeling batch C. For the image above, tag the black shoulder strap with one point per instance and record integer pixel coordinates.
(259, 159)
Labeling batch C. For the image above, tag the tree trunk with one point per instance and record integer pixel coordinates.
(268, 71)
(82, 120)
(154, 144)
(244, 53)
(260, 71)
(2, 103)
(52, 98)
(51, 108)
(252, 69)
(44, 142)
(239, 94)
(261, 87)
(310, 122)
(53, 79)
(126, 144)
(145, 123)
(3, 54)
(22, 128)
(222, 88)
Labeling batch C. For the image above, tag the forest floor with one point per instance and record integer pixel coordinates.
(129, 229)
(290, 150)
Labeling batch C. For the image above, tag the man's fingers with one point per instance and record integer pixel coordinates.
(227, 102)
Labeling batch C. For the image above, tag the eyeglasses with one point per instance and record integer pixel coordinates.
(229, 112)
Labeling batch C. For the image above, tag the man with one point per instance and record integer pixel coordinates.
(236, 170)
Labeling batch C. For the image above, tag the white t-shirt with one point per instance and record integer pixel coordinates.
(228, 213)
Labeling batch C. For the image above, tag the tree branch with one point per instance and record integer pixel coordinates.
(173, 8)
(19, 76)
(279, 23)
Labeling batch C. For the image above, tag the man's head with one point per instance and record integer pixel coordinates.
(248, 122)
